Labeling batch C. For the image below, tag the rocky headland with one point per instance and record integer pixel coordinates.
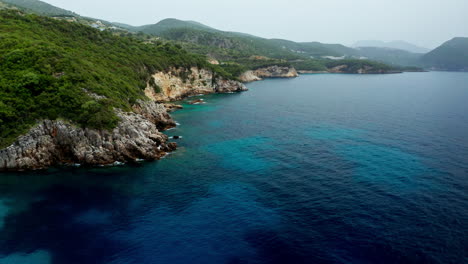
(137, 136)
(177, 84)
(269, 72)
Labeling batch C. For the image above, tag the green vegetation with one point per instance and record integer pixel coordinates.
(391, 56)
(310, 65)
(393, 45)
(232, 45)
(353, 66)
(315, 49)
(452, 55)
(56, 69)
(226, 45)
(168, 24)
(60, 67)
(39, 7)
(240, 52)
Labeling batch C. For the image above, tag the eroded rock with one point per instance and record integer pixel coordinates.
(269, 72)
(56, 142)
(177, 84)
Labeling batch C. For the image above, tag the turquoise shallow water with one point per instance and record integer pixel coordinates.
(323, 168)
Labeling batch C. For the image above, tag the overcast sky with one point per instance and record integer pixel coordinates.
(427, 23)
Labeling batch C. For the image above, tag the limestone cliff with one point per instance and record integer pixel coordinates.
(137, 135)
(249, 76)
(269, 72)
(58, 142)
(180, 83)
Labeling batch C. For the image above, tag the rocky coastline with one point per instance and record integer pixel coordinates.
(54, 142)
(137, 136)
(291, 72)
(177, 84)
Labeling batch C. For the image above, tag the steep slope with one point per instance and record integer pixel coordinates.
(171, 23)
(44, 9)
(452, 55)
(239, 45)
(238, 52)
(244, 55)
(391, 56)
(39, 7)
(244, 44)
(316, 49)
(398, 44)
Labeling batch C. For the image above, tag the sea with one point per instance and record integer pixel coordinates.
(323, 168)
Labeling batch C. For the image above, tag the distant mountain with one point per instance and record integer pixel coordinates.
(124, 26)
(44, 9)
(401, 45)
(391, 56)
(316, 49)
(242, 44)
(250, 51)
(172, 23)
(236, 51)
(39, 7)
(452, 56)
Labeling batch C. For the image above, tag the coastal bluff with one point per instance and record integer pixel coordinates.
(137, 136)
(274, 71)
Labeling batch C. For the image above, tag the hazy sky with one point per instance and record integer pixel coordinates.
(423, 22)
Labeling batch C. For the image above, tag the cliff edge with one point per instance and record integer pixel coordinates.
(137, 136)
(269, 72)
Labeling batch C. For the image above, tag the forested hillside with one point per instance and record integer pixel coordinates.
(57, 69)
(39, 7)
(452, 55)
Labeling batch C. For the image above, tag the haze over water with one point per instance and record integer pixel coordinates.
(319, 169)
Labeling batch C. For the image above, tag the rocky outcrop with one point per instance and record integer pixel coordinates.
(249, 76)
(58, 142)
(213, 61)
(276, 72)
(177, 84)
(338, 69)
(172, 107)
(269, 72)
(156, 113)
(136, 137)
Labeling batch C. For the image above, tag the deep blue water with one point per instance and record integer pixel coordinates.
(324, 168)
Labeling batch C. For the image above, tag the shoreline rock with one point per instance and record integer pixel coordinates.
(197, 101)
(172, 107)
(137, 136)
(177, 84)
(58, 142)
(249, 76)
(269, 72)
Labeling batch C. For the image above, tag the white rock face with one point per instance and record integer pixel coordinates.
(269, 72)
(136, 137)
(249, 76)
(179, 83)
